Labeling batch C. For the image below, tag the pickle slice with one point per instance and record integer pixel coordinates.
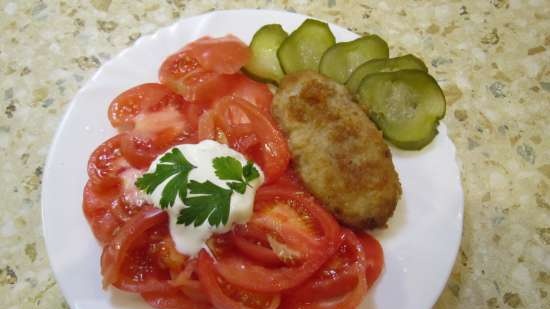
(303, 48)
(407, 62)
(264, 64)
(406, 105)
(342, 59)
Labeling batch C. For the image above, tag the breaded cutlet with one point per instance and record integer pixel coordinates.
(337, 150)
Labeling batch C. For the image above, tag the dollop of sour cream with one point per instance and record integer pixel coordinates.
(190, 239)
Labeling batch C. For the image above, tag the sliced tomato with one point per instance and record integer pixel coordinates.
(374, 255)
(244, 128)
(176, 67)
(106, 163)
(168, 256)
(183, 73)
(303, 244)
(172, 298)
(145, 98)
(223, 294)
(339, 284)
(156, 132)
(126, 262)
(224, 55)
(255, 248)
(256, 93)
(97, 209)
(187, 281)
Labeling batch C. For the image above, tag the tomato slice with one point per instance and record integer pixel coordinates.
(225, 295)
(224, 55)
(256, 93)
(126, 252)
(254, 248)
(172, 298)
(106, 163)
(145, 98)
(203, 87)
(244, 128)
(97, 210)
(155, 132)
(187, 281)
(339, 284)
(374, 255)
(183, 73)
(304, 261)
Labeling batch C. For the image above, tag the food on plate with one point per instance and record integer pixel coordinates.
(407, 62)
(312, 47)
(195, 200)
(337, 151)
(407, 105)
(304, 47)
(339, 61)
(195, 204)
(263, 63)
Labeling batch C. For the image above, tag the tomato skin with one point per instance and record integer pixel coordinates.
(106, 163)
(202, 87)
(256, 93)
(261, 254)
(139, 152)
(187, 281)
(97, 210)
(251, 275)
(171, 298)
(117, 250)
(225, 55)
(150, 97)
(374, 255)
(219, 298)
(333, 285)
(177, 66)
(233, 120)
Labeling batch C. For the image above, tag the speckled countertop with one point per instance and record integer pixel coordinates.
(491, 57)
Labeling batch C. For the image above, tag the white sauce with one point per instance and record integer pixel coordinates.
(190, 239)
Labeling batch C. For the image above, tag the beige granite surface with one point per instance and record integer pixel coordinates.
(491, 57)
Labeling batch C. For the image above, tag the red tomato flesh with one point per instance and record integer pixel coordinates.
(225, 55)
(290, 254)
(224, 295)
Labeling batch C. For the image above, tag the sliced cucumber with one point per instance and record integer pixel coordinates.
(406, 105)
(264, 64)
(342, 59)
(303, 48)
(407, 62)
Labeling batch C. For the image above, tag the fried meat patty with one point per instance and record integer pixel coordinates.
(338, 152)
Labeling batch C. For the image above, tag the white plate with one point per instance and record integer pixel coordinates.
(420, 244)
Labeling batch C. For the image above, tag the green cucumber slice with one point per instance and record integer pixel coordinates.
(303, 48)
(264, 64)
(342, 59)
(407, 62)
(406, 105)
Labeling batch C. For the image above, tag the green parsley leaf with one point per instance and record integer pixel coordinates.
(210, 202)
(172, 163)
(237, 186)
(250, 172)
(229, 168)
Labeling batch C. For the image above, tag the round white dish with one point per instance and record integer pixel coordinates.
(420, 243)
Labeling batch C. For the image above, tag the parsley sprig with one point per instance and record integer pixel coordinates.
(229, 168)
(208, 201)
(172, 163)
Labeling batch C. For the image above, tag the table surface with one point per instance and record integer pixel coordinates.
(490, 57)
